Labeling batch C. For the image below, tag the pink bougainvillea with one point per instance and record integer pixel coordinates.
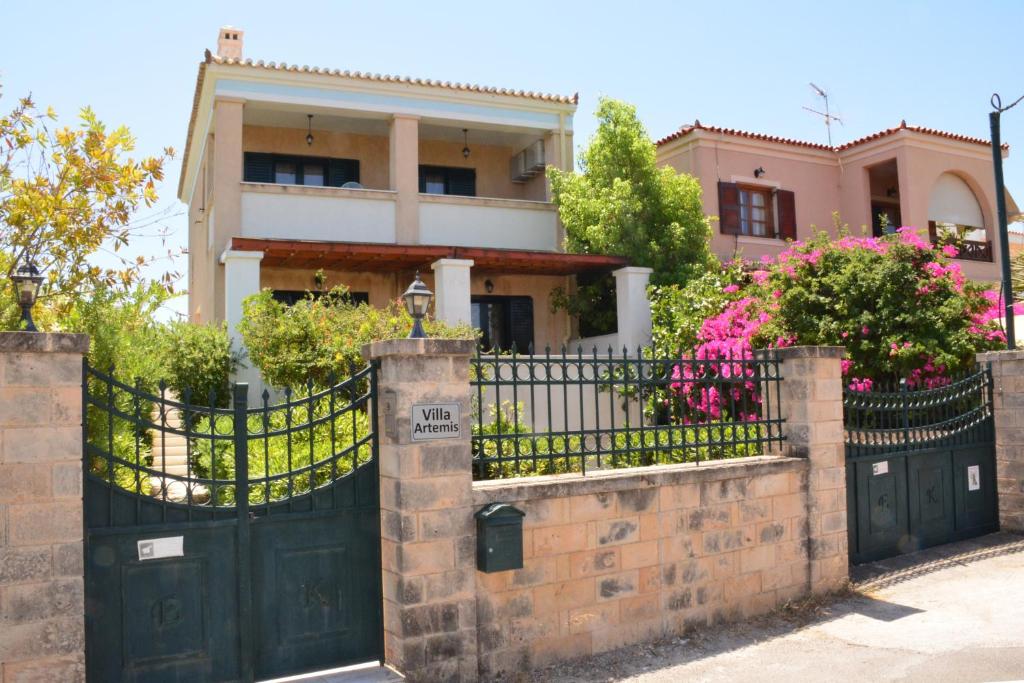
(901, 307)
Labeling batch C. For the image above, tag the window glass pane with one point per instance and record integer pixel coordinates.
(284, 173)
(434, 183)
(757, 199)
(313, 174)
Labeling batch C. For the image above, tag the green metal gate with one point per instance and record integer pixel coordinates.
(256, 555)
(920, 466)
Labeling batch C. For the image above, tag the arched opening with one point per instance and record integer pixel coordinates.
(955, 217)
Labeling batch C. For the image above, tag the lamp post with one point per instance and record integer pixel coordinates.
(417, 299)
(1004, 238)
(27, 282)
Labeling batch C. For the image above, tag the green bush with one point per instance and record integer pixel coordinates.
(198, 358)
(319, 339)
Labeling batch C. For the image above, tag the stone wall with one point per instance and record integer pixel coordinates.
(1008, 409)
(632, 555)
(41, 586)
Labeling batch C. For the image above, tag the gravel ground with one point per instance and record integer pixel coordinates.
(954, 613)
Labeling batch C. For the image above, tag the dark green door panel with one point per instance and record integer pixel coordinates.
(882, 526)
(976, 498)
(164, 619)
(315, 592)
(930, 479)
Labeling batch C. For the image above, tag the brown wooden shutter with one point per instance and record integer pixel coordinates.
(729, 208)
(787, 214)
(933, 232)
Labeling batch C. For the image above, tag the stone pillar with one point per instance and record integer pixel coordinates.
(404, 156)
(451, 290)
(42, 605)
(811, 398)
(225, 211)
(428, 540)
(633, 308)
(1008, 408)
(241, 279)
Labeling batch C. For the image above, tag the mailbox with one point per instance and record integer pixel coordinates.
(499, 538)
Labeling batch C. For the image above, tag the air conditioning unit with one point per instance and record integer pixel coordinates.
(527, 163)
(517, 168)
(535, 157)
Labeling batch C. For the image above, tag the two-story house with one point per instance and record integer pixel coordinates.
(766, 189)
(290, 170)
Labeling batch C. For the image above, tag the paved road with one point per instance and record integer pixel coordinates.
(949, 614)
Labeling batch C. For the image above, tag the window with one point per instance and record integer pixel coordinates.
(291, 170)
(756, 211)
(448, 180)
(290, 297)
(503, 321)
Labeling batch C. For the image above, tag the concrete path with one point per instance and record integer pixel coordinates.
(950, 614)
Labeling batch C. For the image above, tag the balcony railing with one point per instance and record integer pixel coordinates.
(975, 251)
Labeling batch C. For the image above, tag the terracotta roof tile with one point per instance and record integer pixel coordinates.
(388, 78)
(697, 125)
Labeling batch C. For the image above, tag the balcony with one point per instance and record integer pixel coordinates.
(488, 222)
(330, 214)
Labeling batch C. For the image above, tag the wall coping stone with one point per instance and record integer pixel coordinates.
(418, 347)
(810, 352)
(604, 481)
(990, 356)
(44, 342)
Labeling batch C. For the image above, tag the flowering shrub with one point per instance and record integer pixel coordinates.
(901, 308)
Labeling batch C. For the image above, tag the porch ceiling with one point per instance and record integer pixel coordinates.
(389, 258)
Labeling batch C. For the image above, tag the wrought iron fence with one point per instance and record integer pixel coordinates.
(188, 453)
(898, 416)
(561, 412)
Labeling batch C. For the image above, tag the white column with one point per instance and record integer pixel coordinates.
(633, 307)
(241, 279)
(451, 290)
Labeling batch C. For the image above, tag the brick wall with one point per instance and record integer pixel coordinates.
(628, 556)
(41, 586)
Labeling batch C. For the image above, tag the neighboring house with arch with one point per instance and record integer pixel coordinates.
(766, 189)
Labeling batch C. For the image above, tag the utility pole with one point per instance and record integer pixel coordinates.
(1004, 238)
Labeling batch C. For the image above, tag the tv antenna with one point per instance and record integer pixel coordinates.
(826, 115)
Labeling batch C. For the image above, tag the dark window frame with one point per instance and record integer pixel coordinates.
(771, 230)
(347, 168)
(290, 297)
(508, 323)
(449, 174)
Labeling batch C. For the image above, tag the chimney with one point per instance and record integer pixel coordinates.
(229, 42)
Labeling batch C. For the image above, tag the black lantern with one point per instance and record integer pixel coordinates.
(417, 299)
(465, 142)
(309, 129)
(27, 282)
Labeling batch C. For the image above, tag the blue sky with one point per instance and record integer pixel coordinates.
(737, 64)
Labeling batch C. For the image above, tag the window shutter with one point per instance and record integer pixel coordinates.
(521, 322)
(462, 181)
(729, 208)
(933, 232)
(787, 214)
(341, 171)
(423, 178)
(258, 168)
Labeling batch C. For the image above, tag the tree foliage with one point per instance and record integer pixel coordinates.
(320, 339)
(622, 203)
(67, 193)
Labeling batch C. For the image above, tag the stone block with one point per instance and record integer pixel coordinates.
(19, 565)
(67, 480)
(594, 562)
(41, 370)
(20, 482)
(593, 617)
(723, 491)
(559, 539)
(757, 558)
(593, 506)
(790, 505)
(40, 639)
(42, 444)
(770, 485)
(35, 601)
(564, 595)
(446, 523)
(639, 608)
(618, 531)
(617, 586)
(36, 523)
(676, 548)
(535, 571)
(638, 500)
(67, 406)
(426, 557)
(678, 496)
(27, 407)
(627, 634)
(69, 669)
(570, 646)
(437, 493)
(429, 619)
(636, 555)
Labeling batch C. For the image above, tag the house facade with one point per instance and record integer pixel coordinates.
(369, 178)
(766, 189)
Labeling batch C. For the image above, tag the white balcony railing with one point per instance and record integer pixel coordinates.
(488, 222)
(318, 213)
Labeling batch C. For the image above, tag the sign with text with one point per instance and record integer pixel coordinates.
(157, 548)
(436, 421)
